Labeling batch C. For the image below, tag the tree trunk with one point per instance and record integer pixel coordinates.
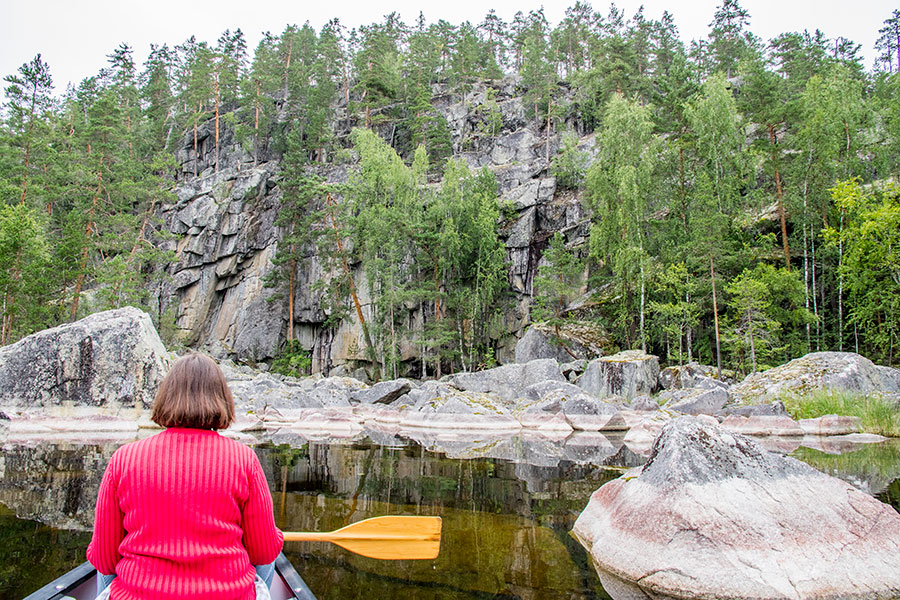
(217, 123)
(752, 345)
(256, 128)
(806, 286)
(712, 275)
(841, 285)
(88, 230)
(643, 302)
(815, 301)
(437, 313)
(9, 300)
(134, 248)
(547, 143)
(28, 143)
(778, 191)
(356, 303)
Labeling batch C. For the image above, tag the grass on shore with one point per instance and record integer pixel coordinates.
(878, 415)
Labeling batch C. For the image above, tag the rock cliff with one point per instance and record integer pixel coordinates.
(224, 234)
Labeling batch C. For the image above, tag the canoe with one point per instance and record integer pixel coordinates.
(81, 584)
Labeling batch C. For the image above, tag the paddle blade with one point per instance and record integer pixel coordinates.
(393, 537)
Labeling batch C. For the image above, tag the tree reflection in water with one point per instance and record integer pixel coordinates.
(507, 503)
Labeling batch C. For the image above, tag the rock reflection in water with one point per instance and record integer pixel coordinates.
(508, 504)
(506, 524)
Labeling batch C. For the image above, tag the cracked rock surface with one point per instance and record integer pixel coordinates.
(713, 515)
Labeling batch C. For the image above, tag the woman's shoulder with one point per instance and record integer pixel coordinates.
(136, 446)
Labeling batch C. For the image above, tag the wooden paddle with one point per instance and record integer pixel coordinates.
(387, 538)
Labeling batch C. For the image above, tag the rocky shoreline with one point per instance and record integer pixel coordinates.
(710, 491)
(99, 374)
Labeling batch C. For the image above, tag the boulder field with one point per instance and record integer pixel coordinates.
(713, 515)
(100, 374)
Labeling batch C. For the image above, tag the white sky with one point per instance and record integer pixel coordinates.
(74, 36)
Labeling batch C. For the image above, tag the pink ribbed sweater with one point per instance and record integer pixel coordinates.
(184, 514)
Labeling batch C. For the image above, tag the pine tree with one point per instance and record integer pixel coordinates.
(764, 102)
(889, 42)
(156, 94)
(495, 30)
(28, 102)
(729, 41)
(301, 218)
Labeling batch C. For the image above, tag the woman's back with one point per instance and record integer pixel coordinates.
(185, 513)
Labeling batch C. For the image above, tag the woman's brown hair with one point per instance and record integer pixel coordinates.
(194, 394)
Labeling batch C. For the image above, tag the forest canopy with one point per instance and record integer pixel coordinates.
(740, 191)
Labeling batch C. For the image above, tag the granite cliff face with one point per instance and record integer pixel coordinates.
(225, 235)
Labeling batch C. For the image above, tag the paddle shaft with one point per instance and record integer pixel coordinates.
(333, 536)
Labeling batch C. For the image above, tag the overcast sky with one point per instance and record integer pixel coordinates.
(74, 36)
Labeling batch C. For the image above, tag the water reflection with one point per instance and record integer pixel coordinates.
(508, 504)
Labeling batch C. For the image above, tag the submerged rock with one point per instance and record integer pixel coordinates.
(563, 406)
(777, 425)
(712, 515)
(831, 425)
(105, 363)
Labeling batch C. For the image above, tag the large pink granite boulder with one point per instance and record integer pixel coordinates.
(712, 515)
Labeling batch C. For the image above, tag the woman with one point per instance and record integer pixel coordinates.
(185, 513)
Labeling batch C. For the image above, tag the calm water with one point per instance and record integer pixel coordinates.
(507, 505)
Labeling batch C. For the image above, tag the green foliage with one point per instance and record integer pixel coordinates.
(679, 195)
(570, 165)
(619, 185)
(294, 360)
(557, 283)
(869, 237)
(673, 311)
(24, 263)
(879, 415)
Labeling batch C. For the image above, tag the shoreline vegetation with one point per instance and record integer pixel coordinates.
(879, 415)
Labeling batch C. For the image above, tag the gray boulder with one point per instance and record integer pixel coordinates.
(890, 379)
(563, 406)
(775, 409)
(644, 404)
(541, 341)
(764, 425)
(509, 381)
(383, 392)
(837, 371)
(628, 374)
(696, 401)
(713, 515)
(690, 375)
(437, 405)
(106, 362)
